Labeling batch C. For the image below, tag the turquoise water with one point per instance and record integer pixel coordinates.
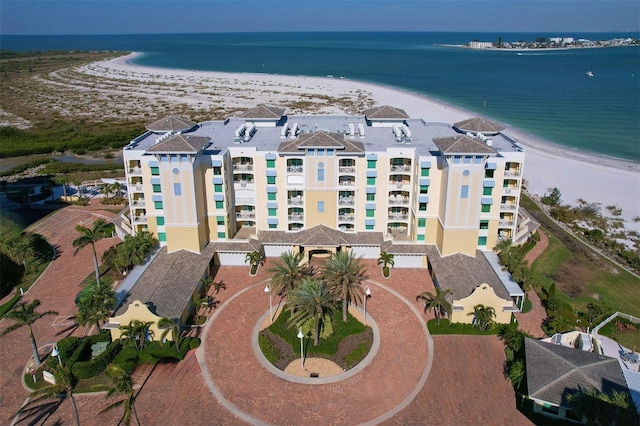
(544, 93)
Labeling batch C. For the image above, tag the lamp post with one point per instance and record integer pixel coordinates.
(56, 352)
(367, 294)
(267, 289)
(300, 336)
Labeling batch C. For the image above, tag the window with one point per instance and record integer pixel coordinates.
(273, 226)
(321, 153)
(486, 208)
(330, 152)
(482, 241)
(467, 159)
(157, 205)
(371, 213)
(219, 204)
(217, 187)
(271, 164)
(464, 191)
(177, 189)
(220, 220)
(484, 224)
(422, 207)
(488, 174)
(487, 191)
(371, 164)
(422, 222)
(424, 172)
(477, 159)
(311, 152)
(217, 171)
(320, 206)
(271, 180)
(160, 220)
(368, 227)
(456, 159)
(271, 196)
(371, 181)
(420, 237)
(371, 197)
(162, 237)
(424, 189)
(272, 212)
(155, 171)
(320, 175)
(221, 234)
(548, 408)
(156, 188)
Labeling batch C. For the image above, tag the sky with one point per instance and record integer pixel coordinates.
(52, 17)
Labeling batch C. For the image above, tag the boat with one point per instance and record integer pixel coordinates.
(589, 74)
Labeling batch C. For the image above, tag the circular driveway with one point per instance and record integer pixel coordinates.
(384, 387)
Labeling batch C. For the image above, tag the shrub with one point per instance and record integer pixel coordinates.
(127, 359)
(95, 366)
(82, 352)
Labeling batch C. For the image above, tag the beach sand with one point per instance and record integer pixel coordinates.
(577, 175)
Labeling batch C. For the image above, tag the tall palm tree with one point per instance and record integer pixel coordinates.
(437, 302)
(483, 316)
(96, 303)
(122, 385)
(89, 236)
(287, 273)
(385, 260)
(65, 385)
(344, 273)
(26, 314)
(313, 299)
(136, 333)
(170, 326)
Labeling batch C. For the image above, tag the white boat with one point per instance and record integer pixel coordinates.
(589, 74)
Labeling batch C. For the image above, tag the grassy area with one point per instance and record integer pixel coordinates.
(622, 331)
(457, 328)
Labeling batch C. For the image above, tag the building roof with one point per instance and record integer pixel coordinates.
(462, 274)
(555, 371)
(478, 125)
(171, 124)
(181, 144)
(263, 112)
(386, 112)
(461, 144)
(321, 235)
(322, 139)
(169, 282)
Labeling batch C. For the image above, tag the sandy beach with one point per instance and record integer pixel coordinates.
(150, 93)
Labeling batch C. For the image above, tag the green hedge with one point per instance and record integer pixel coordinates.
(95, 366)
(127, 359)
(82, 353)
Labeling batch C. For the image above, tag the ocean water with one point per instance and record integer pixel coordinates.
(544, 93)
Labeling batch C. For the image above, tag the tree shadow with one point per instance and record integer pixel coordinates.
(38, 413)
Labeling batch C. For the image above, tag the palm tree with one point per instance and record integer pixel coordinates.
(116, 187)
(218, 285)
(313, 300)
(64, 385)
(106, 190)
(483, 316)
(122, 385)
(254, 258)
(170, 326)
(385, 260)
(287, 273)
(344, 273)
(137, 333)
(134, 250)
(90, 237)
(602, 408)
(96, 303)
(437, 302)
(26, 314)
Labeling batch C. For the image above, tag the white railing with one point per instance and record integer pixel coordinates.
(295, 201)
(346, 201)
(136, 188)
(295, 169)
(403, 168)
(347, 169)
(512, 173)
(242, 167)
(398, 216)
(138, 204)
(505, 222)
(346, 218)
(398, 200)
(298, 217)
(245, 200)
(243, 183)
(245, 215)
(135, 171)
(347, 182)
(140, 219)
(507, 206)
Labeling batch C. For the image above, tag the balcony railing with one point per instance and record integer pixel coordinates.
(397, 184)
(245, 200)
(295, 169)
(401, 168)
(398, 216)
(505, 222)
(244, 183)
(347, 182)
(508, 207)
(346, 218)
(510, 190)
(295, 201)
(296, 217)
(243, 167)
(398, 200)
(512, 173)
(136, 188)
(347, 169)
(135, 171)
(346, 201)
(140, 219)
(242, 215)
(138, 203)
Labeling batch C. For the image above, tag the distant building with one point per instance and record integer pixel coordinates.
(480, 44)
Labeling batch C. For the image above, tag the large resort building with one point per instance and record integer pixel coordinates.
(380, 181)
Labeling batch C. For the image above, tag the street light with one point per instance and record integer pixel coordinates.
(267, 289)
(367, 294)
(300, 336)
(56, 352)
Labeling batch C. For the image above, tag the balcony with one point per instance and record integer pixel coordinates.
(350, 217)
(238, 167)
(505, 223)
(140, 220)
(398, 184)
(346, 201)
(295, 169)
(138, 204)
(243, 184)
(135, 171)
(512, 173)
(400, 168)
(507, 207)
(347, 169)
(295, 201)
(510, 190)
(245, 215)
(136, 188)
(398, 216)
(245, 201)
(347, 182)
(296, 217)
(399, 200)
